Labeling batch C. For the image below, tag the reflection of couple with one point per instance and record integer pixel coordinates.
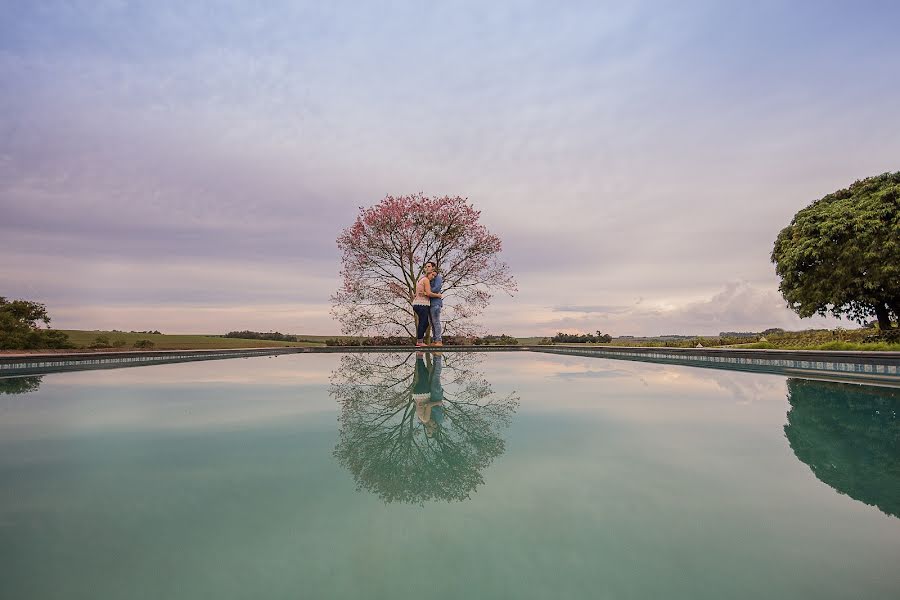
(427, 304)
(428, 393)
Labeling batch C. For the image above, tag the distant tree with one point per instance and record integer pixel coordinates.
(256, 335)
(841, 254)
(384, 253)
(20, 326)
(581, 338)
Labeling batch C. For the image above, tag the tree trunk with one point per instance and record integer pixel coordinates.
(884, 317)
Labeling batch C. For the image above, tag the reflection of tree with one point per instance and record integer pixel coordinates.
(850, 437)
(20, 385)
(389, 449)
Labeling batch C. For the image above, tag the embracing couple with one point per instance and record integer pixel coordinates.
(427, 304)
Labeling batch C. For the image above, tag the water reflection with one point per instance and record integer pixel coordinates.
(20, 385)
(849, 436)
(418, 427)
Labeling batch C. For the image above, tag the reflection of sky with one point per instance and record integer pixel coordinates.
(232, 393)
(647, 481)
(187, 167)
(239, 392)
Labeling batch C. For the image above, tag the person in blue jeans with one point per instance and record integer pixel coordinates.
(437, 303)
(421, 304)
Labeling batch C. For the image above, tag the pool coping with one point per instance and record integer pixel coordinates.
(881, 368)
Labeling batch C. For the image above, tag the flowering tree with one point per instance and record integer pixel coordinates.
(384, 254)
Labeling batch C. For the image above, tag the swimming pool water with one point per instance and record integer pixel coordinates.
(492, 476)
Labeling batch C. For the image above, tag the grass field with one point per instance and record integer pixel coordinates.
(805, 340)
(810, 339)
(83, 339)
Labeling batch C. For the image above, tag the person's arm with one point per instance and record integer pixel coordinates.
(428, 291)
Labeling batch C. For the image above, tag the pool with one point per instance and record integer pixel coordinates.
(519, 475)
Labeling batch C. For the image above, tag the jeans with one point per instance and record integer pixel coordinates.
(436, 323)
(422, 318)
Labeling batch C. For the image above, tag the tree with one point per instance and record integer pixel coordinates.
(384, 253)
(391, 452)
(19, 326)
(841, 254)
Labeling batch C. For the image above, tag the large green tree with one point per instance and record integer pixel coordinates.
(841, 254)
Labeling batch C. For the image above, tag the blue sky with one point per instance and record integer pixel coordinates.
(188, 167)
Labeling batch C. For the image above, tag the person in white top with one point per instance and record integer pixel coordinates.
(421, 304)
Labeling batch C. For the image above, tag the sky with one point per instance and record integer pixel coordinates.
(188, 166)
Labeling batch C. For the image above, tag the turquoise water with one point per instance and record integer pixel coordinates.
(488, 476)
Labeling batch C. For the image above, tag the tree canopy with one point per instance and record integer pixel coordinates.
(841, 254)
(20, 326)
(384, 254)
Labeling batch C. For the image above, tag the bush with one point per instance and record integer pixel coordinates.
(890, 336)
(144, 344)
(584, 338)
(274, 336)
(119, 343)
(496, 340)
(55, 339)
(101, 341)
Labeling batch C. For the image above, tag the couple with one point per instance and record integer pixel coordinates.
(427, 304)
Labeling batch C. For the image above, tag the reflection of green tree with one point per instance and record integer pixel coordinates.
(386, 447)
(850, 437)
(20, 385)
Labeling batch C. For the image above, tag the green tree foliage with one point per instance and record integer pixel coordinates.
(20, 330)
(849, 435)
(584, 338)
(841, 254)
(101, 341)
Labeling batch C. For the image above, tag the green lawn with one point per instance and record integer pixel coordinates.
(83, 339)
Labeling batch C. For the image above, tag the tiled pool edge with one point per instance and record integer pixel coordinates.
(849, 366)
(862, 367)
(39, 364)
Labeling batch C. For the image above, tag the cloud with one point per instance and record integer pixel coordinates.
(738, 306)
(592, 309)
(182, 155)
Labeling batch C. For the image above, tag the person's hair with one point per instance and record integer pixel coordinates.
(432, 263)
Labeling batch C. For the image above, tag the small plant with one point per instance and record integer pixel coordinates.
(144, 344)
(119, 343)
(101, 341)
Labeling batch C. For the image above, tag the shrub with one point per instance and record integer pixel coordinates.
(144, 344)
(101, 341)
(584, 338)
(274, 336)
